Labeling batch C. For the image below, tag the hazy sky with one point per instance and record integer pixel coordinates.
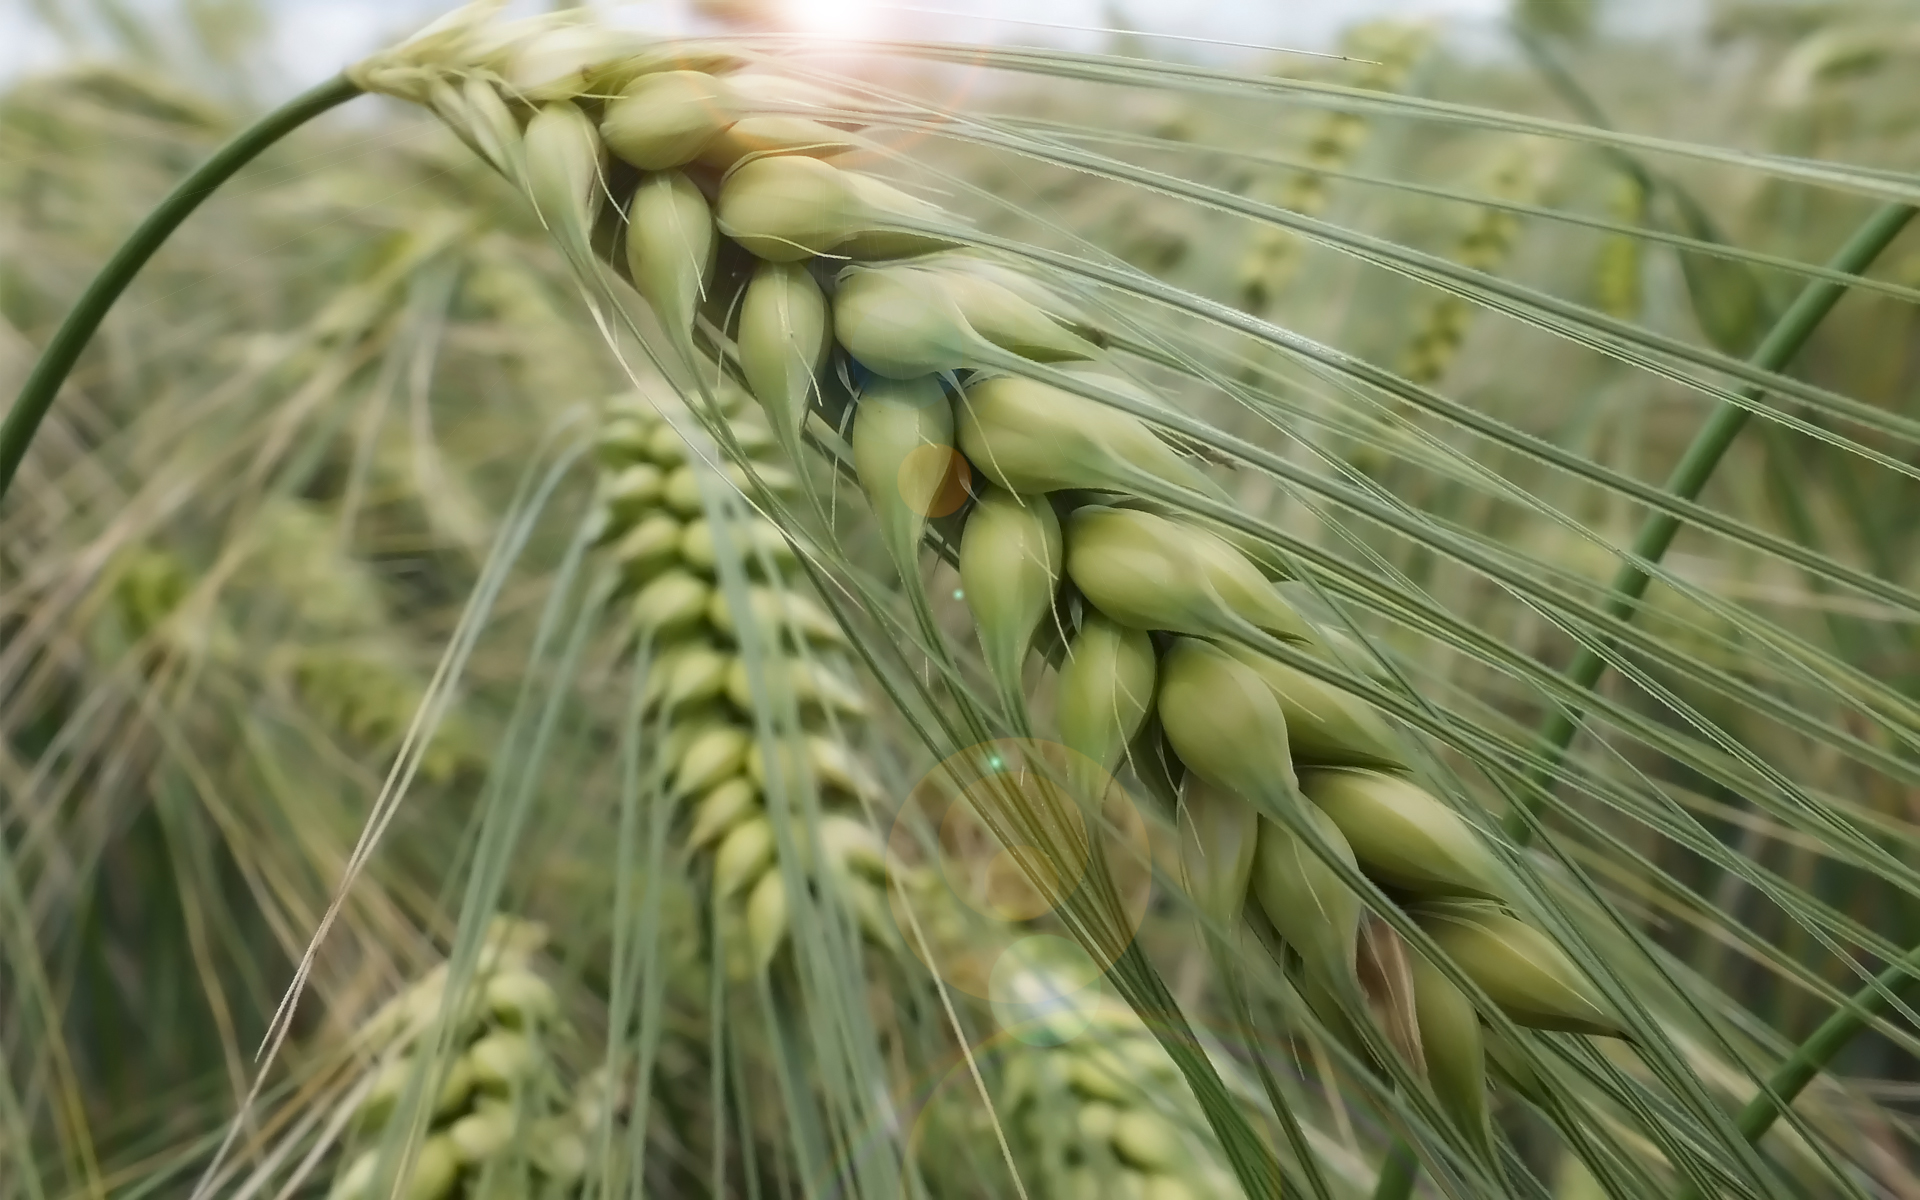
(316, 37)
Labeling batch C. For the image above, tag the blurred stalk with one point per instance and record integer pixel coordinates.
(57, 360)
(1690, 476)
(1695, 468)
(1817, 1051)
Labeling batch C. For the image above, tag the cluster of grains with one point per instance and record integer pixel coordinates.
(1087, 1099)
(1101, 1115)
(738, 229)
(501, 1122)
(1390, 51)
(1442, 326)
(359, 691)
(660, 538)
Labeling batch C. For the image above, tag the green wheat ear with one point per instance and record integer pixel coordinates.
(475, 1066)
(1771, 715)
(704, 687)
(1393, 51)
(1485, 246)
(936, 338)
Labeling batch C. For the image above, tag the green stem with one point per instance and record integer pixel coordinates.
(1397, 1173)
(1695, 468)
(56, 361)
(1818, 1050)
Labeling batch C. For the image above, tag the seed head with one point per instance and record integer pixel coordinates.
(1104, 692)
(790, 207)
(1317, 914)
(784, 336)
(1032, 437)
(1404, 837)
(663, 120)
(1218, 833)
(1521, 969)
(1151, 572)
(1010, 564)
(670, 247)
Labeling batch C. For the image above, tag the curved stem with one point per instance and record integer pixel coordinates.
(1691, 474)
(1813, 1055)
(56, 361)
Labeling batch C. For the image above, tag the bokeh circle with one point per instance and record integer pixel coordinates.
(975, 909)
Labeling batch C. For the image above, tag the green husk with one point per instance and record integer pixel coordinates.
(767, 919)
(671, 604)
(774, 135)
(1313, 911)
(900, 323)
(1225, 725)
(787, 208)
(1102, 697)
(1219, 831)
(670, 249)
(1152, 572)
(903, 453)
(722, 809)
(1404, 837)
(1033, 437)
(563, 171)
(1520, 968)
(785, 333)
(1456, 1058)
(912, 319)
(1010, 568)
(663, 120)
(648, 548)
(744, 854)
(716, 755)
(1326, 726)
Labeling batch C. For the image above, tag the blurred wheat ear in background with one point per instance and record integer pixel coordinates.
(729, 614)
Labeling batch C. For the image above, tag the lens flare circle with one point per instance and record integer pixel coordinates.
(961, 907)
